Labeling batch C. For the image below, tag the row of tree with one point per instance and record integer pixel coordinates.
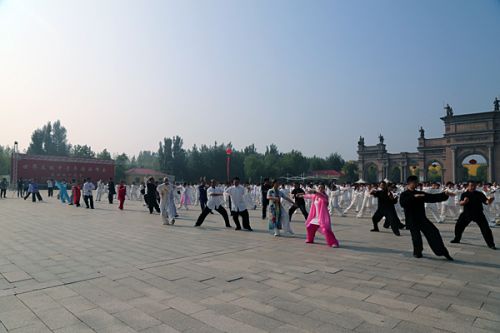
(199, 161)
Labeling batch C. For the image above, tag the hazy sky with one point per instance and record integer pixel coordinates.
(307, 75)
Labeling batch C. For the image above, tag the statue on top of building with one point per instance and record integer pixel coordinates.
(449, 110)
(422, 132)
(496, 104)
(381, 139)
(361, 141)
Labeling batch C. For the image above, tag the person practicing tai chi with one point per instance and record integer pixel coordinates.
(236, 193)
(386, 202)
(299, 202)
(279, 217)
(473, 201)
(413, 203)
(319, 217)
(122, 194)
(166, 206)
(215, 202)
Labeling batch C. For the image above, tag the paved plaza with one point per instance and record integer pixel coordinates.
(66, 269)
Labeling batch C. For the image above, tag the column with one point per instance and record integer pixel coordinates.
(490, 164)
(453, 165)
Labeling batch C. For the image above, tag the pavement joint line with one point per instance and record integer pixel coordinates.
(59, 285)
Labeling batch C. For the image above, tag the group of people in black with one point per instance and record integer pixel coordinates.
(413, 203)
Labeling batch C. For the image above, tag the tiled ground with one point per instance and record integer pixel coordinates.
(65, 269)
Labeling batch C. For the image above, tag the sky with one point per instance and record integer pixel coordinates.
(306, 75)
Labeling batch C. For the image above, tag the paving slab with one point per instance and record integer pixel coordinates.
(66, 269)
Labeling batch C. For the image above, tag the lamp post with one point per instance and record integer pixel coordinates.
(229, 151)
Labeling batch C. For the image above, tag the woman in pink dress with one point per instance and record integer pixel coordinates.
(319, 217)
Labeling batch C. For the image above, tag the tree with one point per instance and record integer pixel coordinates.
(165, 156)
(121, 165)
(178, 158)
(350, 171)
(334, 162)
(49, 140)
(104, 155)
(5, 155)
(82, 151)
(147, 159)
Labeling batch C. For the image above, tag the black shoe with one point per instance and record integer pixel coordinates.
(402, 226)
(374, 230)
(447, 256)
(397, 233)
(237, 228)
(228, 226)
(248, 229)
(455, 241)
(493, 247)
(196, 225)
(417, 255)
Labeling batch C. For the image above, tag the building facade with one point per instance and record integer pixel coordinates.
(469, 149)
(41, 168)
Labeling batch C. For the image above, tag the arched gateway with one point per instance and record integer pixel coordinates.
(469, 149)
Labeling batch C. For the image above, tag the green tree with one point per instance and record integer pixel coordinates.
(82, 151)
(50, 139)
(121, 165)
(334, 162)
(104, 155)
(350, 171)
(148, 159)
(5, 159)
(165, 156)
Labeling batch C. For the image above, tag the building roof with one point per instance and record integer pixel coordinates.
(144, 172)
(330, 173)
(53, 158)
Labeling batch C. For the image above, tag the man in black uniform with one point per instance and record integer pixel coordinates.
(111, 190)
(299, 202)
(265, 201)
(413, 203)
(473, 201)
(386, 202)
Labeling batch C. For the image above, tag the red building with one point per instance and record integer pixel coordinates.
(42, 168)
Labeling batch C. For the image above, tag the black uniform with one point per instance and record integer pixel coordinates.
(111, 191)
(418, 222)
(299, 203)
(151, 197)
(473, 211)
(265, 201)
(386, 209)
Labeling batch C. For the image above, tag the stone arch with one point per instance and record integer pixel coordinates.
(371, 172)
(395, 175)
(434, 171)
(472, 164)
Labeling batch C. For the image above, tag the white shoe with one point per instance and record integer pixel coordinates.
(276, 233)
(492, 224)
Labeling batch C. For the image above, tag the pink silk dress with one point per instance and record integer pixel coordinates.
(319, 218)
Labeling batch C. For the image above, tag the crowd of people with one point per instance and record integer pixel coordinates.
(393, 204)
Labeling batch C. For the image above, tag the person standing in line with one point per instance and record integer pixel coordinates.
(236, 193)
(76, 193)
(319, 217)
(299, 203)
(100, 190)
(88, 187)
(111, 190)
(20, 188)
(63, 191)
(472, 201)
(215, 202)
(50, 188)
(202, 195)
(265, 187)
(413, 203)
(3, 188)
(386, 202)
(279, 217)
(335, 195)
(151, 196)
(449, 207)
(122, 194)
(167, 215)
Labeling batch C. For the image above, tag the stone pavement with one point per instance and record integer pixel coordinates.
(66, 269)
